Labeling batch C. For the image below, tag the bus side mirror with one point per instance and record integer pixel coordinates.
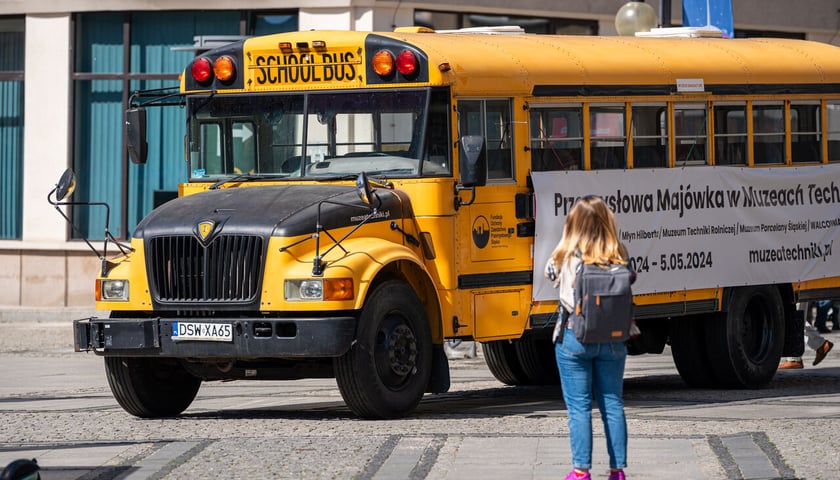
(65, 186)
(364, 188)
(472, 161)
(135, 135)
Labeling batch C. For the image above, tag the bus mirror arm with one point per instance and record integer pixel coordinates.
(318, 262)
(408, 237)
(372, 202)
(135, 117)
(458, 202)
(63, 189)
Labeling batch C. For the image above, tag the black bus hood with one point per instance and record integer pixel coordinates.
(281, 210)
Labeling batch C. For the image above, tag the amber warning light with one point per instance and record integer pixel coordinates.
(383, 63)
(223, 68)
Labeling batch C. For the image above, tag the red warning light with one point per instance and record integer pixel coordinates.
(201, 70)
(406, 62)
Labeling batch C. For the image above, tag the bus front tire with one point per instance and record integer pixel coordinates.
(151, 387)
(387, 370)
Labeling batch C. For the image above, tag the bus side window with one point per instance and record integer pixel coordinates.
(492, 119)
(436, 155)
(833, 129)
(607, 141)
(556, 138)
(499, 141)
(805, 127)
(768, 133)
(650, 135)
(690, 134)
(730, 133)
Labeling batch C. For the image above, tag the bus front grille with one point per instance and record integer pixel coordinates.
(182, 270)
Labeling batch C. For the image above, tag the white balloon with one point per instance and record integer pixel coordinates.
(635, 17)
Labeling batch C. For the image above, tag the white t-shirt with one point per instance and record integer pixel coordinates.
(565, 280)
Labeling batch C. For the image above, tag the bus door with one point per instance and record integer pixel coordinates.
(491, 273)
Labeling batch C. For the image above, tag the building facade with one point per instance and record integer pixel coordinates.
(67, 70)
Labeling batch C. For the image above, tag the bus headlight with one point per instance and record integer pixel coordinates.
(112, 290)
(314, 289)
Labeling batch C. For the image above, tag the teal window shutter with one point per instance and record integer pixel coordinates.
(11, 128)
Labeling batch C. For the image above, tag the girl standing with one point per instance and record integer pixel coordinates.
(591, 369)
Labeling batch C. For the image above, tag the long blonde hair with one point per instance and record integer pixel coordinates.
(590, 229)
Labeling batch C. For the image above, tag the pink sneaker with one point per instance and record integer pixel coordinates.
(617, 475)
(575, 476)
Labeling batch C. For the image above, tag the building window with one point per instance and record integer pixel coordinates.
(116, 54)
(545, 25)
(741, 33)
(11, 127)
(260, 23)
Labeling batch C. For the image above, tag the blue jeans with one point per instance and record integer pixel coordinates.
(823, 306)
(587, 370)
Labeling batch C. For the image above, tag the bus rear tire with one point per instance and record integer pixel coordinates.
(688, 349)
(538, 360)
(500, 357)
(387, 370)
(151, 387)
(745, 343)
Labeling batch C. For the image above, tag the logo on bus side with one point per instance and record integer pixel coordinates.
(305, 68)
(480, 231)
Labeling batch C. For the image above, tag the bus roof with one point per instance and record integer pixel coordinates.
(504, 62)
(552, 65)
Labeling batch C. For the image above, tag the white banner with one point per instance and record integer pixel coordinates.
(703, 227)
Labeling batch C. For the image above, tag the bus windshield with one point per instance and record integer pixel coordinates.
(318, 135)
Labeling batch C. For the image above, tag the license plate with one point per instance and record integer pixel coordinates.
(208, 332)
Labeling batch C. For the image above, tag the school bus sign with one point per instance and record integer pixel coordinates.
(273, 69)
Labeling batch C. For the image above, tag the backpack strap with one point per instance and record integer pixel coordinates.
(564, 322)
(564, 315)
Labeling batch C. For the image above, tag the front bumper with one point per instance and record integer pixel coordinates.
(252, 338)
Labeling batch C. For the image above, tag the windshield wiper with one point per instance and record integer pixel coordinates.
(245, 177)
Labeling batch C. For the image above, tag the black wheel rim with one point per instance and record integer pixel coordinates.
(395, 351)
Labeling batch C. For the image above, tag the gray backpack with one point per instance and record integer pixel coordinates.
(603, 303)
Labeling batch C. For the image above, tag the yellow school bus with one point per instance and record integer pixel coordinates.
(356, 199)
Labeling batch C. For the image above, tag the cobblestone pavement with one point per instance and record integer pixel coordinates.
(55, 406)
